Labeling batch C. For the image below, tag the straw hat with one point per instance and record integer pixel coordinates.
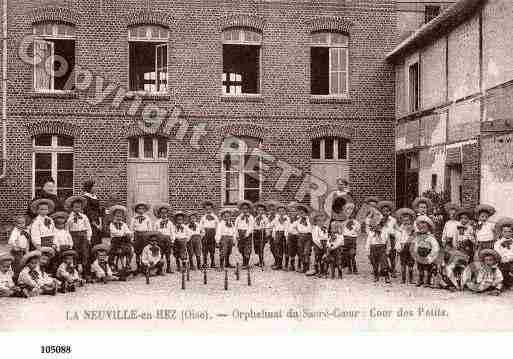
(36, 203)
(425, 219)
(159, 206)
(225, 210)
(503, 222)
(304, 207)
(59, 214)
(69, 252)
(420, 200)
(371, 199)
(141, 203)
(485, 208)
(272, 203)
(245, 202)
(151, 234)
(116, 208)
(389, 204)
(6, 257)
(70, 200)
(27, 257)
(179, 213)
(405, 212)
(261, 205)
(468, 211)
(100, 248)
(489, 252)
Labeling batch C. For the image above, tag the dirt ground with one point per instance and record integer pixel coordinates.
(275, 300)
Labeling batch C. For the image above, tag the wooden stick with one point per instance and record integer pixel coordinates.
(183, 279)
(237, 271)
(205, 276)
(249, 277)
(225, 279)
(147, 275)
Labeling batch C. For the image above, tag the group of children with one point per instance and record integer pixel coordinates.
(53, 254)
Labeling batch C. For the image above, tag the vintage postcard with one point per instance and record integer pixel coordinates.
(216, 165)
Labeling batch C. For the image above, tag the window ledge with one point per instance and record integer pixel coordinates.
(164, 96)
(329, 99)
(242, 98)
(55, 94)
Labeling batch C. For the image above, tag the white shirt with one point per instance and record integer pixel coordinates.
(41, 227)
(336, 241)
(375, 237)
(505, 252)
(354, 231)
(406, 235)
(147, 256)
(62, 238)
(196, 231)
(224, 230)
(450, 230)
(243, 223)
(280, 224)
(292, 229)
(165, 226)
(119, 232)
(300, 228)
(485, 233)
(209, 223)
(98, 270)
(261, 222)
(182, 232)
(78, 222)
(19, 240)
(64, 274)
(26, 279)
(319, 234)
(6, 281)
(140, 223)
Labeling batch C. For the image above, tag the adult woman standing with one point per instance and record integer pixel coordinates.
(93, 211)
(47, 192)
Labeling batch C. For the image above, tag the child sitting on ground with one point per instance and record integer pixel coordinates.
(7, 286)
(19, 242)
(32, 280)
(100, 269)
(151, 257)
(504, 246)
(67, 272)
(485, 275)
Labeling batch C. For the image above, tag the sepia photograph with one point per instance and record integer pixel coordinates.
(254, 165)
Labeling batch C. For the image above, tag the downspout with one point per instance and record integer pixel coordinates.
(4, 89)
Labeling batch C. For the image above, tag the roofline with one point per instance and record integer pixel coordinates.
(455, 15)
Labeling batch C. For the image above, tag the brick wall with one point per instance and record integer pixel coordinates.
(471, 174)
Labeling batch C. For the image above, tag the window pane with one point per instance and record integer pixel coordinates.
(65, 141)
(232, 162)
(328, 148)
(242, 63)
(232, 196)
(162, 148)
(232, 180)
(251, 180)
(316, 149)
(63, 193)
(148, 147)
(43, 140)
(251, 163)
(133, 147)
(252, 195)
(65, 161)
(338, 39)
(342, 81)
(334, 54)
(320, 38)
(334, 86)
(65, 179)
(41, 177)
(342, 149)
(319, 70)
(143, 66)
(43, 161)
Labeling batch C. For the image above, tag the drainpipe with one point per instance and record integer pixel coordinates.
(4, 89)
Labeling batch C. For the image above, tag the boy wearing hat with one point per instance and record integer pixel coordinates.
(485, 230)
(259, 232)
(377, 244)
(208, 226)
(182, 236)
(194, 244)
(504, 246)
(32, 280)
(164, 225)
(320, 237)
(151, 257)
(485, 275)
(42, 228)
(19, 241)
(389, 224)
(121, 240)
(7, 286)
(62, 238)
(303, 227)
(140, 225)
(225, 236)
(244, 227)
(405, 238)
(351, 229)
(280, 227)
(292, 238)
(422, 206)
(450, 231)
(79, 227)
(68, 273)
(100, 268)
(271, 216)
(465, 236)
(425, 250)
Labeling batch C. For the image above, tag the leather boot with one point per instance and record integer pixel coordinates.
(403, 276)
(292, 265)
(410, 276)
(420, 282)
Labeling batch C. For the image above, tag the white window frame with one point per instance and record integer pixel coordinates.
(243, 150)
(336, 143)
(53, 149)
(242, 41)
(155, 157)
(45, 39)
(161, 42)
(332, 45)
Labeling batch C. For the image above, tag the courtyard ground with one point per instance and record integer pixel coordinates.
(275, 300)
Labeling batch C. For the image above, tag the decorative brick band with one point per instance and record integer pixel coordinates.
(244, 130)
(148, 18)
(329, 24)
(330, 131)
(243, 20)
(135, 130)
(54, 128)
(59, 14)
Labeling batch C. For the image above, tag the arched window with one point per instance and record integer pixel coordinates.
(147, 147)
(53, 158)
(329, 64)
(241, 61)
(330, 148)
(54, 57)
(241, 170)
(148, 58)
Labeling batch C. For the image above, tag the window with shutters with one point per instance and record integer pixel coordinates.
(241, 170)
(241, 61)
(54, 57)
(148, 59)
(329, 70)
(53, 158)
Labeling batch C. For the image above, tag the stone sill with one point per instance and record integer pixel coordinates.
(148, 96)
(55, 94)
(242, 98)
(329, 99)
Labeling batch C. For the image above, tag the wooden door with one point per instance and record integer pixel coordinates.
(328, 172)
(148, 182)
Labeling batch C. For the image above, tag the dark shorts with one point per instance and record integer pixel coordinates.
(292, 248)
(405, 256)
(209, 241)
(140, 241)
(194, 245)
(180, 249)
(121, 246)
(166, 245)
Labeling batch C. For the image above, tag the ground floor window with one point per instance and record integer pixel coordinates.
(53, 158)
(241, 170)
(147, 147)
(407, 178)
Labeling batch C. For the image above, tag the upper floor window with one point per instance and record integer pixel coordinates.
(330, 148)
(147, 147)
(431, 11)
(329, 64)
(414, 87)
(147, 64)
(241, 61)
(53, 158)
(54, 57)
(241, 174)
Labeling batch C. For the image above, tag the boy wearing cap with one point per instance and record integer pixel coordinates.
(182, 236)
(450, 231)
(140, 225)
(292, 238)
(485, 275)
(405, 238)
(425, 250)
(194, 244)
(320, 237)
(121, 241)
(485, 230)
(42, 228)
(7, 286)
(166, 228)
(303, 227)
(100, 268)
(259, 232)
(68, 273)
(19, 241)
(351, 229)
(151, 257)
(79, 227)
(225, 237)
(280, 227)
(504, 246)
(244, 226)
(208, 226)
(32, 280)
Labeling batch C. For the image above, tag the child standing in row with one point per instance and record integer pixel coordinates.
(405, 239)
(320, 236)
(292, 238)
(225, 237)
(244, 225)
(280, 226)
(208, 225)
(377, 244)
(303, 228)
(182, 236)
(140, 225)
(390, 228)
(121, 241)
(351, 229)
(166, 228)
(485, 230)
(19, 242)
(194, 244)
(504, 246)
(425, 250)
(42, 228)
(80, 230)
(259, 232)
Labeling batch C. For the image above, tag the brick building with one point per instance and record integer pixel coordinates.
(166, 100)
(453, 102)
